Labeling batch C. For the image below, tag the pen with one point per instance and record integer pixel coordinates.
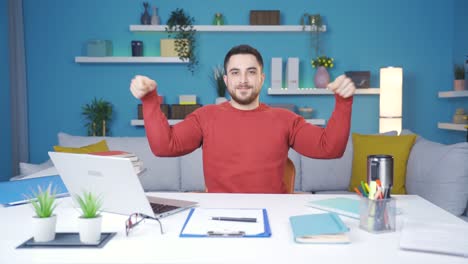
(235, 219)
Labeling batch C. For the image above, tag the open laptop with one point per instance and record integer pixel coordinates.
(115, 180)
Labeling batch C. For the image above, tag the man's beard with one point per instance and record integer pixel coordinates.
(245, 100)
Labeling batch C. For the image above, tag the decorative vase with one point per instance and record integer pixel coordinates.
(90, 229)
(220, 100)
(44, 228)
(155, 18)
(145, 17)
(321, 78)
(459, 85)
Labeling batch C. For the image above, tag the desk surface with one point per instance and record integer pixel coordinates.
(146, 245)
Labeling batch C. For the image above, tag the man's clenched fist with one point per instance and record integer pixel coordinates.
(142, 85)
(343, 86)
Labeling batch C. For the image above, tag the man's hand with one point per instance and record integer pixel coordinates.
(343, 86)
(141, 86)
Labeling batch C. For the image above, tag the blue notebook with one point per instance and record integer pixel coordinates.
(319, 228)
(340, 205)
(16, 192)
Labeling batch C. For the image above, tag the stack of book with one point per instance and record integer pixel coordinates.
(136, 162)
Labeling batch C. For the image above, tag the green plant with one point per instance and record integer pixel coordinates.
(90, 204)
(43, 201)
(181, 24)
(324, 61)
(99, 115)
(218, 80)
(459, 72)
(315, 23)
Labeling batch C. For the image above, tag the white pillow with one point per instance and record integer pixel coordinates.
(30, 168)
(27, 169)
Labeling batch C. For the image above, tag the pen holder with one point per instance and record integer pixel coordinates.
(377, 216)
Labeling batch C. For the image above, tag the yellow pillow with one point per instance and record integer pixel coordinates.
(397, 146)
(96, 147)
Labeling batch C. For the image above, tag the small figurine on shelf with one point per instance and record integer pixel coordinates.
(155, 18)
(218, 19)
(145, 17)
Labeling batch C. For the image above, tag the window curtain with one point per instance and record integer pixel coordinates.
(18, 86)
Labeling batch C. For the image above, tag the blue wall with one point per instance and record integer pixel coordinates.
(411, 34)
(5, 131)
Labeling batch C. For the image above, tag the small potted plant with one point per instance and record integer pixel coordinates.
(44, 222)
(99, 115)
(322, 77)
(459, 81)
(89, 224)
(219, 84)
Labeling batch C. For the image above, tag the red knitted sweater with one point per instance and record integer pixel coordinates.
(245, 151)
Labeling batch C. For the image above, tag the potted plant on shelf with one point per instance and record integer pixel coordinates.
(219, 84)
(99, 115)
(459, 74)
(44, 222)
(181, 24)
(322, 77)
(89, 223)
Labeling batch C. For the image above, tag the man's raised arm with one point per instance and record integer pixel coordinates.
(164, 140)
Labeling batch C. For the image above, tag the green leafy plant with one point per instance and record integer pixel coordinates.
(90, 204)
(181, 24)
(218, 80)
(459, 72)
(98, 115)
(324, 61)
(43, 201)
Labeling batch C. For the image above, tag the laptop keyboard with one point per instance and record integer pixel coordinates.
(162, 208)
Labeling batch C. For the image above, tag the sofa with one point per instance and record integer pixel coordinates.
(436, 172)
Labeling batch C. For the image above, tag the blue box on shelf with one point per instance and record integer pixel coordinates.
(99, 48)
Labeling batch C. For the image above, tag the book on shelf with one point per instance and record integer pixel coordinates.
(136, 162)
(327, 228)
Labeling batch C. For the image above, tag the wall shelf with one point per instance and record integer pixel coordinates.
(452, 126)
(318, 91)
(450, 94)
(230, 28)
(141, 122)
(129, 60)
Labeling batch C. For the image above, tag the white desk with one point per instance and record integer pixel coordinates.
(146, 245)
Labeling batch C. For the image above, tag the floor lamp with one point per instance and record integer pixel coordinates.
(391, 96)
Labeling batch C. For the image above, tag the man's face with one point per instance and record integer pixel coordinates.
(244, 79)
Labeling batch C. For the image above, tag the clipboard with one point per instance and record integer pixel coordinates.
(201, 222)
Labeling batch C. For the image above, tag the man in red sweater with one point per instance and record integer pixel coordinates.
(245, 143)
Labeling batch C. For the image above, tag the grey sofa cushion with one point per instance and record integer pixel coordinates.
(439, 173)
(327, 174)
(296, 159)
(191, 171)
(162, 174)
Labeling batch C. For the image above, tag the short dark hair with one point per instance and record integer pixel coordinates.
(243, 49)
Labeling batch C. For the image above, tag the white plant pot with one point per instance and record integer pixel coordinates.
(90, 230)
(44, 228)
(220, 100)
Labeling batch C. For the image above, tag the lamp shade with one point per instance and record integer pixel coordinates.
(391, 97)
